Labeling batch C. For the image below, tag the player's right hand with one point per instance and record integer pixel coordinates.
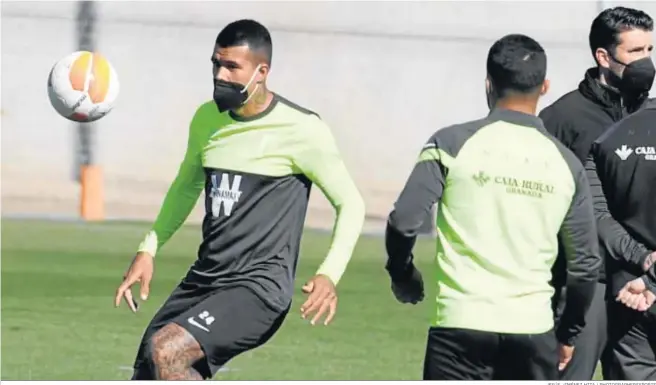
(141, 270)
(565, 353)
(410, 289)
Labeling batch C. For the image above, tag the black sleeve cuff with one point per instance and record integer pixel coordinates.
(649, 282)
(400, 271)
(566, 336)
(644, 260)
(399, 252)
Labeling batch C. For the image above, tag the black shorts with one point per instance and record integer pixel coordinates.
(226, 322)
(462, 354)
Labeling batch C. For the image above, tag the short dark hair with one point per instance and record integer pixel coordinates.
(516, 64)
(247, 32)
(607, 26)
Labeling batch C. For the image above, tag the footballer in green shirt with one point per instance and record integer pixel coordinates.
(256, 156)
(507, 193)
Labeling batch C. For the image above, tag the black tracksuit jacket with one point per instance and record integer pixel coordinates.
(621, 170)
(577, 120)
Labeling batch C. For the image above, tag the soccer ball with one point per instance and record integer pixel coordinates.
(83, 86)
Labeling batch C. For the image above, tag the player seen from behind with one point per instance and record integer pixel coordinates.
(506, 192)
(256, 155)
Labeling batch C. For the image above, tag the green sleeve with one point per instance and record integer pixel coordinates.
(183, 194)
(320, 160)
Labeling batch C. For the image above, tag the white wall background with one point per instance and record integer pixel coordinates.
(384, 75)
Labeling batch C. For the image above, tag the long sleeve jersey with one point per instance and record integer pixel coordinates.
(257, 173)
(506, 193)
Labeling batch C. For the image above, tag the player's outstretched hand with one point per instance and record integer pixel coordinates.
(636, 296)
(141, 270)
(410, 289)
(565, 353)
(322, 298)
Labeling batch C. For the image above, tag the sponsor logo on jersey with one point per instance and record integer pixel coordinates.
(646, 152)
(224, 194)
(532, 188)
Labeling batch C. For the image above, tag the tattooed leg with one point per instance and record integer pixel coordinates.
(174, 351)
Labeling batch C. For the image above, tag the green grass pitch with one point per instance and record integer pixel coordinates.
(59, 323)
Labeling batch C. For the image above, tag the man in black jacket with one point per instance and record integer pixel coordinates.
(621, 170)
(621, 42)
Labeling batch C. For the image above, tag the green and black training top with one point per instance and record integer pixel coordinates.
(507, 194)
(257, 173)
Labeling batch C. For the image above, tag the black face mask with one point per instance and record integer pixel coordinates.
(231, 95)
(637, 77)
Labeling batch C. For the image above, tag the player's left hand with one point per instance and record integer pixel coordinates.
(636, 296)
(322, 298)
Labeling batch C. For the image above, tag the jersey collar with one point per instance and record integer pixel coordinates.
(270, 107)
(516, 117)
